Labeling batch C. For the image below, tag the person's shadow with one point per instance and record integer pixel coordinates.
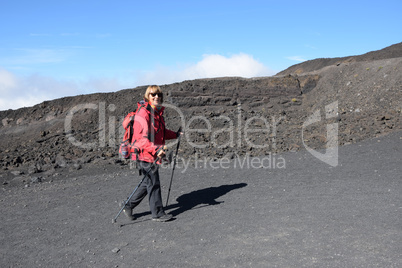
(205, 197)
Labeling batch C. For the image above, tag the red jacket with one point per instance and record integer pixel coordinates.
(150, 132)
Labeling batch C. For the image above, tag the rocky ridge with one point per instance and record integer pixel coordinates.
(360, 95)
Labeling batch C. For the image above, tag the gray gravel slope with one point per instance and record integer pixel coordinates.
(305, 215)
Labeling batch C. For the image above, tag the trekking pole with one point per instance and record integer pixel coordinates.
(174, 165)
(128, 199)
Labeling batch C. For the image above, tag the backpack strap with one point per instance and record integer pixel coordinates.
(136, 150)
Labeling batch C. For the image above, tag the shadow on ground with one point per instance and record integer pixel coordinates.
(206, 197)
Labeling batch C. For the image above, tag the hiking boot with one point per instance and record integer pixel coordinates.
(163, 218)
(128, 211)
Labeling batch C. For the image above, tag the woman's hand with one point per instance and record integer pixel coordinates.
(162, 152)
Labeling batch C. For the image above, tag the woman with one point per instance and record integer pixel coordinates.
(149, 137)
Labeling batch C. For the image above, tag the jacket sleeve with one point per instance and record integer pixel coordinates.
(141, 133)
(169, 135)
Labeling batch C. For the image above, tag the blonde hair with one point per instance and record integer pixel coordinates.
(153, 89)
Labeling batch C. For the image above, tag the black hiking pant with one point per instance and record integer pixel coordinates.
(151, 186)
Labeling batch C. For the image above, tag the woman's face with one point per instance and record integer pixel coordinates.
(155, 99)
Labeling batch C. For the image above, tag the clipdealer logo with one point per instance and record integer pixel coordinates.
(230, 128)
(330, 156)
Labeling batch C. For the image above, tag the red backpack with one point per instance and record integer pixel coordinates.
(126, 146)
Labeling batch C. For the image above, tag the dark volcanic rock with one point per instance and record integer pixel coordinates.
(394, 51)
(360, 95)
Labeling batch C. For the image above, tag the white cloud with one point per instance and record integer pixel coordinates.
(217, 66)
(17, 91)
(296, 58)
(7, 80)
(210, 66)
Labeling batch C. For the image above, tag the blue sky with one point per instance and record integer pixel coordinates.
(51, 49)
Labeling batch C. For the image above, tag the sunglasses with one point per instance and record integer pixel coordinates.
(160, 95)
